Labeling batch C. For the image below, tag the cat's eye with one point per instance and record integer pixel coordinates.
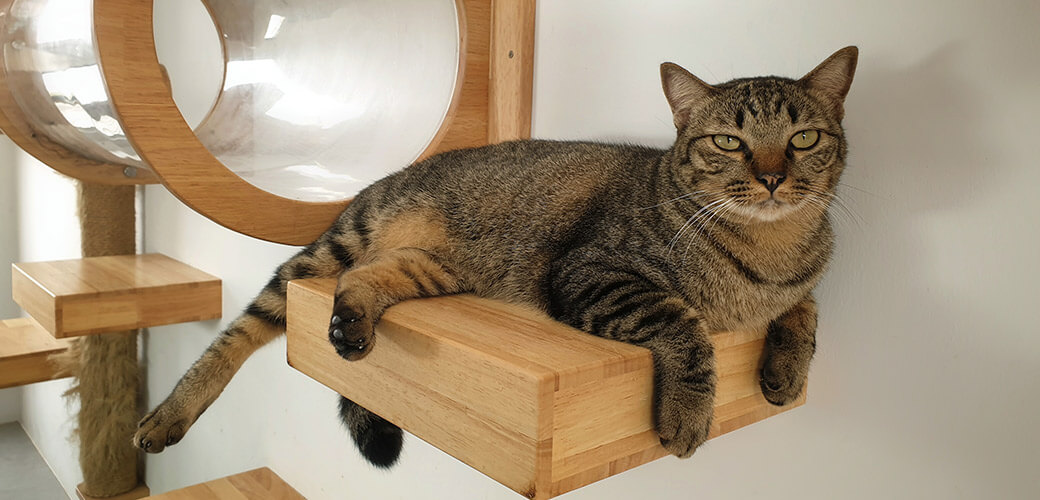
(726, 142)
(805, 139)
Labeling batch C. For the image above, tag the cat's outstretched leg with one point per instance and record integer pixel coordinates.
(366, 291)
(790, 344)
(621, 304)
(262, 321)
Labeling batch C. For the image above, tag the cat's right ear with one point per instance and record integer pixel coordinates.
(683, 91)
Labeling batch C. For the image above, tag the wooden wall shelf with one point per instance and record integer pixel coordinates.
(106, 294)
(25, 351)
(538, 406)
(259, 483)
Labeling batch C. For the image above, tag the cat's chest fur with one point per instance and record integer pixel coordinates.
(745, 280)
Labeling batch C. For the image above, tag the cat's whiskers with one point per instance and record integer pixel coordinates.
(864, 191)
(712, 219)
(673, 200)
(706, 209)
(829, 199)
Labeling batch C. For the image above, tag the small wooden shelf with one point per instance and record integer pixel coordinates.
(106, 294)
(25, 349)
(538, 406)
(259, 483)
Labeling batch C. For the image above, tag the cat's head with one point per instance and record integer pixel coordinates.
(762, 148)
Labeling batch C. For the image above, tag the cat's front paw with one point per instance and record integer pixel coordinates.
(784, 372)
(351, 330)
(683, 421)
(164, 426)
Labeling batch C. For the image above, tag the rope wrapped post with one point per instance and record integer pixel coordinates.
(108, 378)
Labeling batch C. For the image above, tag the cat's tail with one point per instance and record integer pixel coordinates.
(378, 441)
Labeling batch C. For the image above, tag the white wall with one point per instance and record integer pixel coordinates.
(10, 399)
(43, 226)
(926, 380)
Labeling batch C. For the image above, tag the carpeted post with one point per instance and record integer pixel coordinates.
(108, 377)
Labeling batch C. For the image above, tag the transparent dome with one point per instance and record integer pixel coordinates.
(309, 100)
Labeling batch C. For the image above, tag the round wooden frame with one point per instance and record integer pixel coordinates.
(15, 125)
(491, 103)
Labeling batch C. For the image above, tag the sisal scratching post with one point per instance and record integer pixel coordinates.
(107, 373)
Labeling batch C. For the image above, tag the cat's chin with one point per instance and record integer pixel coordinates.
(770, 210)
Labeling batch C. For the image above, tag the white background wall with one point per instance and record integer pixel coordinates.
(10, 399)
(44, 227)
(927, 379)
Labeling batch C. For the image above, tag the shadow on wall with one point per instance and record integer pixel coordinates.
(9, 224)
(915, 152)
(925, 165)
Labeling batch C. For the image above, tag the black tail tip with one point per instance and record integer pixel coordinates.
(381, 447)
(379, 441)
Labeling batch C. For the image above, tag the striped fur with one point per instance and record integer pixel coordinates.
(653, 247)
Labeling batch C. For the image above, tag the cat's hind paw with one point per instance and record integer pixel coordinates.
(162, 427)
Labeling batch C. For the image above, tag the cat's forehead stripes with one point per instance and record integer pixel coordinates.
(761, 98)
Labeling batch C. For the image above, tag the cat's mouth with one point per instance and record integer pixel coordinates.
(771, 209)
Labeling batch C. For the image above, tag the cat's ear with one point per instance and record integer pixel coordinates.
(683, 91)
(831, 80)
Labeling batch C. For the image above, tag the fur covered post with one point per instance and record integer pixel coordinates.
(106, 371)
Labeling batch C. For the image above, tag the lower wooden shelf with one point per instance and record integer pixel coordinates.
(25, 351)
(536, 405)
(108, 294)
(256, 484)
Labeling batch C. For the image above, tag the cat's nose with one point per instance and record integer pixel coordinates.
(771, 181)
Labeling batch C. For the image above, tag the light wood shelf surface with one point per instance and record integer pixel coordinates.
(256, 484)
(536, 405)
(106, 294)
(25, 349)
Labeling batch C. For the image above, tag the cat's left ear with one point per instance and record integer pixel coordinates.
(831, 80)
(684, 91)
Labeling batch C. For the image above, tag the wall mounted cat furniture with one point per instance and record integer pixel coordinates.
(297, 126)
(285, 144)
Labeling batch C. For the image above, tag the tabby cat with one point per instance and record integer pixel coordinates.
(727, 229)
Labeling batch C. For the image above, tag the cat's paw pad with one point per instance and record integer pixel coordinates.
(683, 424)
(160, 428)
(782, 379)
(351, 331)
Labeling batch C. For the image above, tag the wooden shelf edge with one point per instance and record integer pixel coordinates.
(97, 295)
(467, 375)
(25, 353)
(261, 483)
